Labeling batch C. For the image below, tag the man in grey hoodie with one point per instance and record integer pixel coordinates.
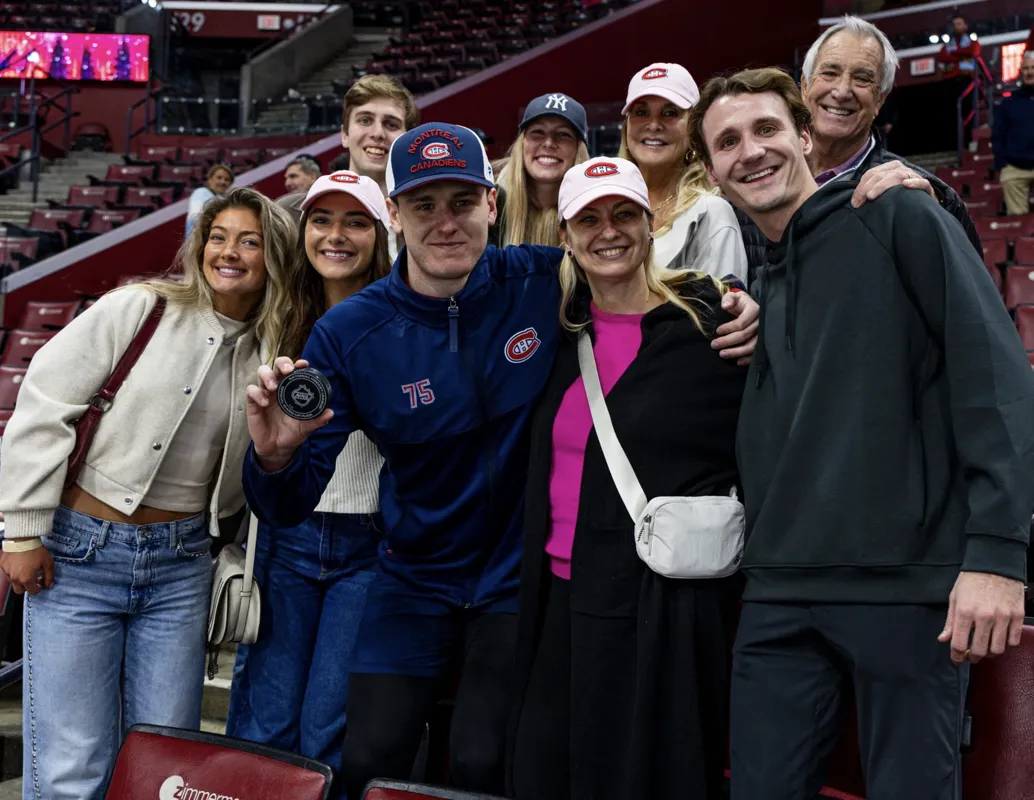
(885, 447)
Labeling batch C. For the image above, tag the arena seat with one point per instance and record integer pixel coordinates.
(1019, 287)
(996, 252)
(148, 198)
(1025, 325)
(104, 221)
(92, 196)
(18, 251)
(21, 346)
(1023, 251)
(984, 189)
(404, 790)
(157, 762)
(44, 316)
(133, 174)
(5, 416)
(982, 208)
(159, 153)
(999, 763)
(1008, 228)
(10, 382)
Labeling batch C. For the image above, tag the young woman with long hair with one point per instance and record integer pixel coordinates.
(116, 565)
(550, 140)
(290, 687)
(694, 228)
(622, 673)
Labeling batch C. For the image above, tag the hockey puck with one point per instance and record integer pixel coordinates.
(303, 394)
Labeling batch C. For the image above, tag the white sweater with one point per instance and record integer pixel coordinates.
(132, 436)
(705, 237)
(354, 487)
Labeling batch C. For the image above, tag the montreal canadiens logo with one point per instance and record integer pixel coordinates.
(522, 346)
(345, 177)
(655, 73)
(436, 150)
(601, 170)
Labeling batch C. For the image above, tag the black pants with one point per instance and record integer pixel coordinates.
(790, 666)
(387, 714)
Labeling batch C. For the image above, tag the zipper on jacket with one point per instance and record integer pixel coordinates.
(454, 325)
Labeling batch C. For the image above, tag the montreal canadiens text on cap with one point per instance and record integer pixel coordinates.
(437, 151)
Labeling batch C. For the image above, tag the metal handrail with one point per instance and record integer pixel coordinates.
(36, 131)
(149, 122)
(981, 87)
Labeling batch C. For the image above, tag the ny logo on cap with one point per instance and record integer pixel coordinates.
(557, 101)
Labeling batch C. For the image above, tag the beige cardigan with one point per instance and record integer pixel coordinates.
(130, 441)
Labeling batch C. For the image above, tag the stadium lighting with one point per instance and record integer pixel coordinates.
(933, 38)
(973, 36)
(945, 38)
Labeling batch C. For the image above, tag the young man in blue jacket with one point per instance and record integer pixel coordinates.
(439, 364)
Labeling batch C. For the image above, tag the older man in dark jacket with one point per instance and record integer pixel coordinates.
(848, 73)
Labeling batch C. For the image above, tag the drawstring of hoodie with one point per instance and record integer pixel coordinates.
(760, 352)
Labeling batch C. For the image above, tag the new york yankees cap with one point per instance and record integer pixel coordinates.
(437, 151)
(670, 81)
(557, 105)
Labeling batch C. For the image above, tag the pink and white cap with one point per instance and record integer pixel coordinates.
(601, 177)
(363, 189)
(670, 81)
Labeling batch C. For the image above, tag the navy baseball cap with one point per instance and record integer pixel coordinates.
(557, 105)
(437, 151)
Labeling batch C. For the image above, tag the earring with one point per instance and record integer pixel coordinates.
(570, 253)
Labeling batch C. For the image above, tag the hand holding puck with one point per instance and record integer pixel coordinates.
(303, 394)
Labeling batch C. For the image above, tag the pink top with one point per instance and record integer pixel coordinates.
(618, 337)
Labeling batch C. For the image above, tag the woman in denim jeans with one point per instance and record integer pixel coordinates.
(290, 687)
(117, 566)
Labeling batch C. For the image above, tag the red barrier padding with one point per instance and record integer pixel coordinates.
(171, 763)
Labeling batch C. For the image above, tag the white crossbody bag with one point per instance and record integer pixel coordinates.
(678, 537)
(236, 606)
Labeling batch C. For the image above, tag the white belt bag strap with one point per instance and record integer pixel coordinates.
(678, 537)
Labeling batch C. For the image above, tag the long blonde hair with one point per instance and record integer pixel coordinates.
(522, 222)
(278, 236)
(664, 282)
(693, 181)
(306, 297)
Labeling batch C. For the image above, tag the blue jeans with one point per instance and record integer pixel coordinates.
(118, 640)
(290, 688)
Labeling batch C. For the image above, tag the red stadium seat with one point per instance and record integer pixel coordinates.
(966, 175)
(996, 251)
(104, 221)
(10, 382)
(1009, 228)
(5, 416)
(200, 155)
(135, 174)
(44, 316)
(1019, 286)
(982, 208)
(985, 189)
(148, 197)
(93, 196)
(189, 174)
(403, 790)
(1023, 252)
(999, 764)
(21, 346)
(159, 153)
(1025, 325)
(56, 219)
(18, 251)
(156, 762)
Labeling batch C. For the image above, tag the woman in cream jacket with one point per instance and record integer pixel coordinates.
(117, 567)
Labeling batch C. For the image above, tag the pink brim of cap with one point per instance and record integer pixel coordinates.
(380, 215)
(659, 91)
(605, 190)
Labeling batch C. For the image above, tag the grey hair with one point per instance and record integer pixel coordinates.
(858, 27)
(1028, 55)
(307, 165)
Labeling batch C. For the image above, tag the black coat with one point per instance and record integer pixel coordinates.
(649, 654)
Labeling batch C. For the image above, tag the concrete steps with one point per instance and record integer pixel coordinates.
(294, 115)
(56, 177)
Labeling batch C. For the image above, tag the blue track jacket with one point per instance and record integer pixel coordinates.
(445, 388)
